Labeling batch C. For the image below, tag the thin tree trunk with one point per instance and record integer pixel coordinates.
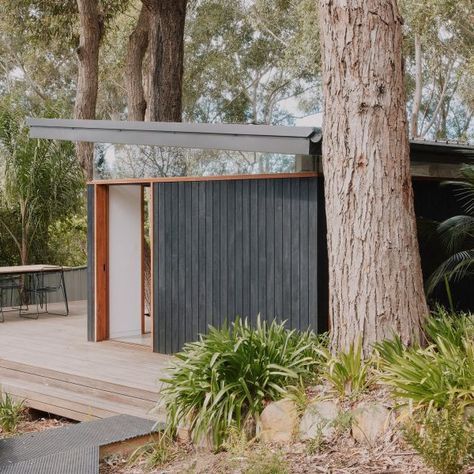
(136, 50)
(418, 88)
(375, 279)
(154, 66)
(172, 16)
(91, 29)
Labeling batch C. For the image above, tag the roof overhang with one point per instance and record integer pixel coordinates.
(441, 152)
(253, 138)
(240, 137)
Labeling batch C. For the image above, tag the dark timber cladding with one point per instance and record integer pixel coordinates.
(236, 247)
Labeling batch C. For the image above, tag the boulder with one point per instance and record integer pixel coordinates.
(278, 421)
(318, 419)
(369, 422)
(469, 413)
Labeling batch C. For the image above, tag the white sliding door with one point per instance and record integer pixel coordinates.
(125, 261)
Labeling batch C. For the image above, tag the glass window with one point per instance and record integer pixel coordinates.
(114, 161)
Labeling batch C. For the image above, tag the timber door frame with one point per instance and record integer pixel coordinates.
(101, 247)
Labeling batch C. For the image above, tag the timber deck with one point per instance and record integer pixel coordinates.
(49, 364)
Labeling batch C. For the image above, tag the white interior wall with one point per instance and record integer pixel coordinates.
(125, 248)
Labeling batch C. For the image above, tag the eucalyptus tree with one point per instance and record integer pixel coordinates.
(440, 64)
(375, 277)
(65, 26)
(245, 61)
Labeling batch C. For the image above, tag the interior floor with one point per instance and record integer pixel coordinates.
(142, 340)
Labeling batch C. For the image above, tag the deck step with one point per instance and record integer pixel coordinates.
(71, 396)
(81, 380)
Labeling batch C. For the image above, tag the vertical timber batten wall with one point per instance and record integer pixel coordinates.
(234, 247)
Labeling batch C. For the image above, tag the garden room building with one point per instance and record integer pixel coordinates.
(191, 225)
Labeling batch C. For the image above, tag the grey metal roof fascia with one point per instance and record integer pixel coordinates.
(260, 138)
(441, 152)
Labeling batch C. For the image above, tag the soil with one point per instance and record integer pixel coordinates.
(36, 421)
(344, 456)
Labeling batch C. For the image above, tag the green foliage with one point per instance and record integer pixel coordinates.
(443, 438)
(388, 350)
(225, 378)
(67, 240)
(156, 453)
(457, 236)
(11, 413)
(348, 372)
(266, 462)
(258, 54)
(440, 374)
(40, 184)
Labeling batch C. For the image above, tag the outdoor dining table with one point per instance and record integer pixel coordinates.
(37, 269)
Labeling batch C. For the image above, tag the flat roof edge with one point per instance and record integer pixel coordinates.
(178, 127)
(239, 137)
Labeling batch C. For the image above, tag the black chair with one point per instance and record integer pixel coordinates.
(40, 285)
(8, 286)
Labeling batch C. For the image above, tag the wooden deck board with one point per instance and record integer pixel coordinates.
(50, 361)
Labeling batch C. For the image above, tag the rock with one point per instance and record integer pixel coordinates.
(318, 419)
(278, 421)
(469, 413)
(183, 433)
(205, 442)
(369, 422)
(183, 430)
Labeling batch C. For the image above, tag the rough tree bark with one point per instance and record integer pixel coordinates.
(160, 28)
(172, 16)
(91, 29)
(155, 57)
(137, 45)
(375, 279)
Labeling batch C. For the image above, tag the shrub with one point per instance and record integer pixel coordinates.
(266, 462)
(348, 372)
(443, 439)
(155, 453)
(11, 413)
(442, 373)
(226, 377)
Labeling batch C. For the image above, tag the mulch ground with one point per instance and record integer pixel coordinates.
(344, 456)
(36, 421)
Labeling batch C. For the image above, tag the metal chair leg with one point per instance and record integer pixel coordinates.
(63, 283)
(2, 317)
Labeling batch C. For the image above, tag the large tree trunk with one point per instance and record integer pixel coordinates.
(155, 57)
(166, 19)
(172, 16)
(136, 50)
(91, 28)
(375, 279)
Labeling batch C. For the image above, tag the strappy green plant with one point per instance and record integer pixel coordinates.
(227, 377)
(11, 413)
(348, 372)
(440, 374)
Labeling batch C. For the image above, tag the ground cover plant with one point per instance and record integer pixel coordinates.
(221, 384)
(11, 413)
(444, 439)
(225, 379)
(437, 375)
(347, 372)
